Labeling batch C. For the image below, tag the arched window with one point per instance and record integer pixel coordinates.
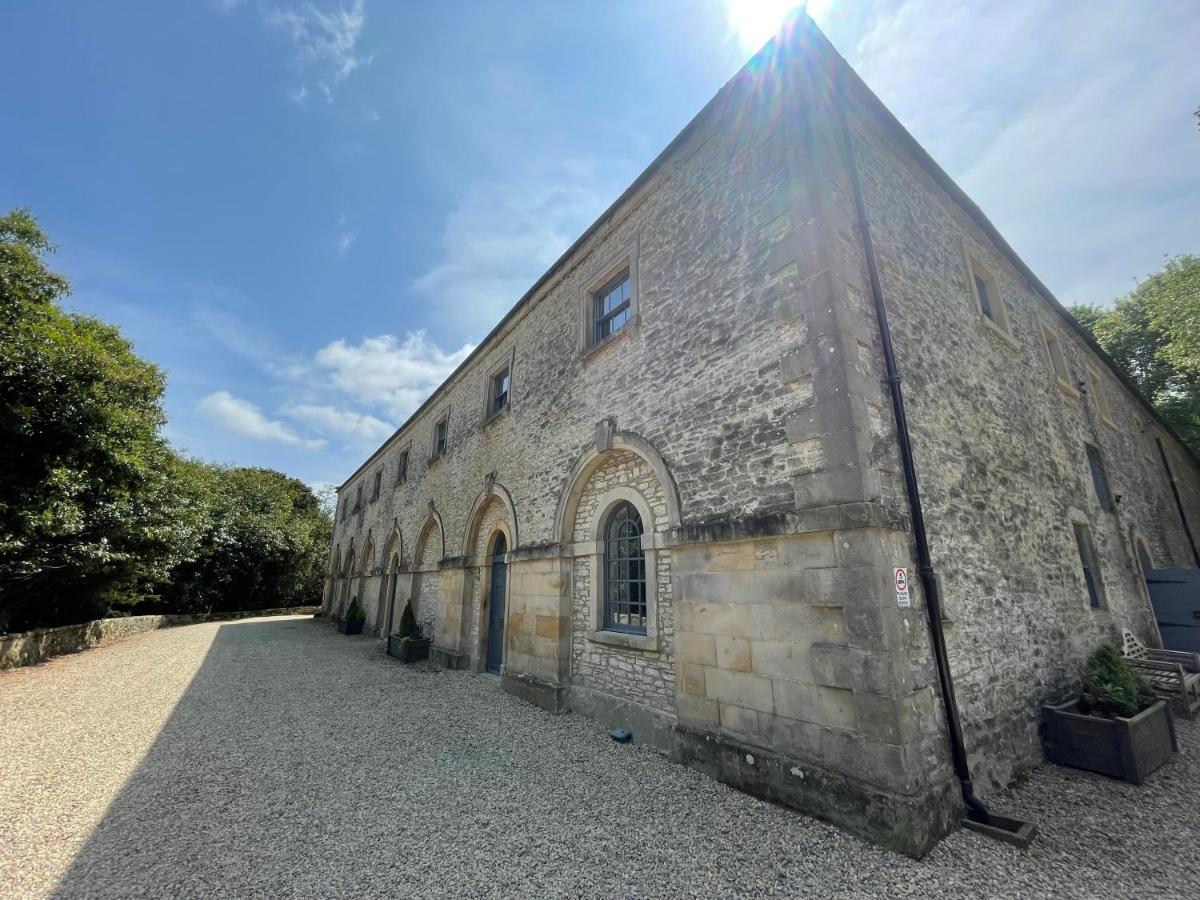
(624, 571)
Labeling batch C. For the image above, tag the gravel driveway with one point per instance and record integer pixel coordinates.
(279, 758)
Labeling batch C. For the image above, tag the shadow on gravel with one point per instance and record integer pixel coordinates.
(225, 801)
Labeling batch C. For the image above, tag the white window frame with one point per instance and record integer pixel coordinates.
(443, 419)
(489, 381)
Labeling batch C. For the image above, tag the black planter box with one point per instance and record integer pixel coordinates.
(408, 650)
(345, 626)
(1129, 749)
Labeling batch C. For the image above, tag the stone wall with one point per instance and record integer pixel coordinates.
(28, 648)
(999, 442)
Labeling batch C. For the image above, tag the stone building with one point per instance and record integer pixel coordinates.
(668, 489)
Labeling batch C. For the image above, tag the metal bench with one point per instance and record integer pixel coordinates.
(1172, 674)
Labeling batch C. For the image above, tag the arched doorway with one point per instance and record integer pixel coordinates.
(498, 586)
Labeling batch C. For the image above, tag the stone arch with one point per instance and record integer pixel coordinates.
(592, 459)
(347, 579)
(367, 556)
(1142, 556)
(428, 554)
(493, 514)
(603, 650)
(495, 493)
(390, 561)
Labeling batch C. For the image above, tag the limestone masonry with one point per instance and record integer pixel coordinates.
(666, 490)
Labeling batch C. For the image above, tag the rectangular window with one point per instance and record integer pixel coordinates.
(402, 468)
(358, 498)
(1099, 477)
(985, 298)
(375, 487)
(500, 383)
(1100, 397)
(439, 438)
(610, 310)
(1087, 559)
(987, 295)
(344, 505)
(1058, 362)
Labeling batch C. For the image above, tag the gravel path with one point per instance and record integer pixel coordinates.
(279, 758)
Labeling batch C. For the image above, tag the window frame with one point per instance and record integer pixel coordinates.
(402, 463)
(376, 485)
(1101, 487)
(603, 276)
(502, 366)
(615, 554)
(1057, 358)
(358, 492)
(1089, 562)
(441, 436)
(1100, 397)
(602, 317)
(997, 318)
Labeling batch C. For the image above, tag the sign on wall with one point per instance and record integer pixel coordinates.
(900, 576)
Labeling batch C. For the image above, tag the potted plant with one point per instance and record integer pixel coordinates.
(352, 622)
(409, 644)
(1116, 727)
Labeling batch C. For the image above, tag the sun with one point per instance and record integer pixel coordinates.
(754, 22)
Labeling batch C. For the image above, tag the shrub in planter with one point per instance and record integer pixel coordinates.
(353, 621)
(1116, 727)
(409, 644)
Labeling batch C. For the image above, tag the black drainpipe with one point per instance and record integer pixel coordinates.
(1162, 452)
(976, 811)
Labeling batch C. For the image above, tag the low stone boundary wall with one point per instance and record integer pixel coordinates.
(32, 647)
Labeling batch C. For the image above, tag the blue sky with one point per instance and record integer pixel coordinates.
(306, 212)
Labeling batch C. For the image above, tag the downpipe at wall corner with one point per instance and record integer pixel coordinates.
(978, 817)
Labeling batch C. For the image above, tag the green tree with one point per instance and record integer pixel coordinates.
(90, 514)
(1154, 334)
(264, 545)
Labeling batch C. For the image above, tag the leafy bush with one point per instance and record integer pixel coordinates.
(355, 612)
(409, 627)
(1110, 687)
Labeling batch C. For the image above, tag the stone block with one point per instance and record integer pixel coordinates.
(692, 679)
(548, 626)
(836, 707)
(739, 720)
(700, 712)
(794, 699)
(736, 619)
(780, 659)
(733, 653)
(695, 648)
(739, 689)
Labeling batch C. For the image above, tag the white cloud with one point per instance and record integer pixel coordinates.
(1080, 146)
(502, 236)
(346, 236)
(388, 373)
(326, 42)
(243, 418)
(357, 427)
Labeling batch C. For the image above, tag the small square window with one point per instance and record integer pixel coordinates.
(1058, 362)
(611, 307)
(439, 438)
(1087, 559)
(402, 468)
(1099, 477)
(499, 394)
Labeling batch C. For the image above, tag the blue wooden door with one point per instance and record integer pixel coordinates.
(1175, 594)
(499, 581)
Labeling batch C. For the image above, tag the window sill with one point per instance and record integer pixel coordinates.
(624, 639)
(494, 417)
(999, 331)
(434, 460)
(1067, 388)
(595, 350)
